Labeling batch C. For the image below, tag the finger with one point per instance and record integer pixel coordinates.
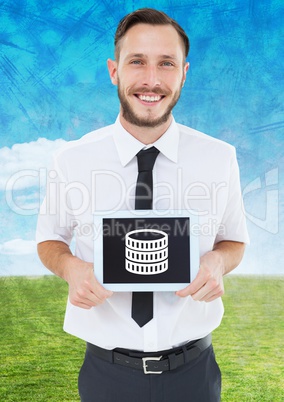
(94, 286)
(209, 292)
(82, 299)
(86, 302)
(88, 296)
(211, 296)
(99, 291)
(194, 286)
(94, 297)
(214, 297)
(81, 305)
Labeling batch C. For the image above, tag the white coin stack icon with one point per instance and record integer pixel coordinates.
(146, 252)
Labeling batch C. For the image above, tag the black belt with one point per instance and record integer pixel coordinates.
(153, 363)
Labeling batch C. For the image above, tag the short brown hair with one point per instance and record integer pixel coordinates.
(148, 16)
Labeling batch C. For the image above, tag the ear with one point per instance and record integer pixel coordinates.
(185, 70)
(112, 69)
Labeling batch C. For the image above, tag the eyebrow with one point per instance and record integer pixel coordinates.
(141, 55)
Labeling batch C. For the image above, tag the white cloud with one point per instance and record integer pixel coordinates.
(19, 165)
(18, 247)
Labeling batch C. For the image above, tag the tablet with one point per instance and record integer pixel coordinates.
(145, 250)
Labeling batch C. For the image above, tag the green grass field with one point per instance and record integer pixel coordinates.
(39, 362)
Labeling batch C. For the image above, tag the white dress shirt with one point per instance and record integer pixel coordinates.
(98, 173)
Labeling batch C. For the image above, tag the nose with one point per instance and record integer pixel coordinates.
(151, 76)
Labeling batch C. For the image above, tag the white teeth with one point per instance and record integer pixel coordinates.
(149, 98)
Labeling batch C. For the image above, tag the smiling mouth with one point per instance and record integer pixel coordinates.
(149, 99)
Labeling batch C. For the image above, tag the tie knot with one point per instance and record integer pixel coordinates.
(146, 159)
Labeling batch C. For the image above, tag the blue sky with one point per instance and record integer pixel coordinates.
(55, 88)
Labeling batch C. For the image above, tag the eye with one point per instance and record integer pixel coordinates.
(167, 64)
(136, 62)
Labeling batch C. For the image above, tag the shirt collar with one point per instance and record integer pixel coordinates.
(127, 146)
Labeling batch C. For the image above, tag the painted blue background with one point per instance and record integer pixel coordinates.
(55, 87)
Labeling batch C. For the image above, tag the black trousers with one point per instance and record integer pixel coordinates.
(196, 381)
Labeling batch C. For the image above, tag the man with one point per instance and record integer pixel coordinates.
(191, 171)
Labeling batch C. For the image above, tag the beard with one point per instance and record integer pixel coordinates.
(129, 114)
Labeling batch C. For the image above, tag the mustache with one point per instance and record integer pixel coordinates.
(156, 91)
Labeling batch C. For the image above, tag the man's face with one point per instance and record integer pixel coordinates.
(149, 73)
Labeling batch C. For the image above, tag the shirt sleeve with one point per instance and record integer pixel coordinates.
(55, 220)
(233, 226)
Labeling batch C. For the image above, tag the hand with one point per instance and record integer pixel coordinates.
(208, 284)
(84, 289)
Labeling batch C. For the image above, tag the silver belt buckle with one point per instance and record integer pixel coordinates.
(145, 360)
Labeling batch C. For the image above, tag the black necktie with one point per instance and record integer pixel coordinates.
(142, 302)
